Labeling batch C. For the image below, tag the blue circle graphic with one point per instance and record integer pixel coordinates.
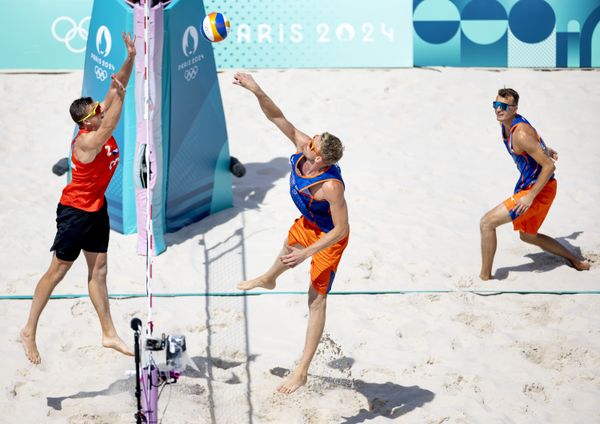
(484, 22)
(532, 21)
(436, 21)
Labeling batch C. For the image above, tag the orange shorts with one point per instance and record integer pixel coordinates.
(531, 221)
(323, 264)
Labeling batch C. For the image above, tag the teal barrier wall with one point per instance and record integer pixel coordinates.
(104, 55)
(43, 34)
(340, 33)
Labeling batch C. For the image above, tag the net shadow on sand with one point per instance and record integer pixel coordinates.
(225, 260)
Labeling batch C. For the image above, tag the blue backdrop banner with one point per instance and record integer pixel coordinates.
(104, 55)
(339, 33)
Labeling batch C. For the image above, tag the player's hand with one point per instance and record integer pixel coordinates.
(295, 257)
(523, 204)
(129, 43)
(117, 85)
(245, 80)
(552, 154)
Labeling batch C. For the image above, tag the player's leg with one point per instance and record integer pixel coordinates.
(487, 226)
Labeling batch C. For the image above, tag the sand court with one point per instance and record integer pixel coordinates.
(423, 162)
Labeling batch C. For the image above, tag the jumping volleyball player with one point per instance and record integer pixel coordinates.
(535, 190)
(321, 232)
(81, 216)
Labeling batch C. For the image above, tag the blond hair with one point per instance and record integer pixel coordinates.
(332, 149)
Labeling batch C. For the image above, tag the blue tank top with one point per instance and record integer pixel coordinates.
(527, 166)
(316, 211)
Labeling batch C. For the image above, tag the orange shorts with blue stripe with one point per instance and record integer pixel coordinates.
(323, 264)
(531, 221)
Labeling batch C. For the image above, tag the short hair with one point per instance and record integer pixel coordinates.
(509, 92)
(78, 109)
(332, 149)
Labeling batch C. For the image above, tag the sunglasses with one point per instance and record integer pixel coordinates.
(501, 105)
(97, 110)
(311, 144)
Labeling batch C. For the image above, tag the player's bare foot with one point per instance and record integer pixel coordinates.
(262, 282)
(117, 344)
(28, 341)
(486, 277)
(580, 265)
(294, 381)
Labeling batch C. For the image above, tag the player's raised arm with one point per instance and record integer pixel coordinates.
(271, 110)
(124, 73)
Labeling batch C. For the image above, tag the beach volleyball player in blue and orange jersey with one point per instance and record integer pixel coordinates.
(534, 192)
(321, 232)
(81, 216)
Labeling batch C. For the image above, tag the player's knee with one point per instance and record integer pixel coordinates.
(486, 223)
(99, 272)
(527, 238)
(58, 272)
(318, 303)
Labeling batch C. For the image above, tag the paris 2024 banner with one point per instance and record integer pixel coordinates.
(340, 33)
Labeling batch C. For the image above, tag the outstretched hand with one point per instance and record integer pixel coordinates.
(129, 43)
(295, 257)
(245, 80)
(117, 85)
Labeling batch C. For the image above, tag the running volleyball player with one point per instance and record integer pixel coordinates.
(82, 218)
(534, 192)
(317, 189)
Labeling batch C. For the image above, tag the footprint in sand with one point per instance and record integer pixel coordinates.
(592, 258)
(532, 352)
(16, 389)
(477, 322)
(93, 418)
(456, 385)
(465, 282)
(79, 308)
(535, 391)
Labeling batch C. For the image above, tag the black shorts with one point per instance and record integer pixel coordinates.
(78, 230)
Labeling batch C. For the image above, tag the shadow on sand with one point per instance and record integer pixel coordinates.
(248, 193)
(387, 400)
(119, 386)
(542, 261)
(201, 363)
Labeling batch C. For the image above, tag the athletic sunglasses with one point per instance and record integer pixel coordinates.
(311, 144)
(97, 110)
(501, 105)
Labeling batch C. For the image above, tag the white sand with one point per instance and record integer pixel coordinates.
(423, 162)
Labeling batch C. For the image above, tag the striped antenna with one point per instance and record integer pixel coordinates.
(149, 234)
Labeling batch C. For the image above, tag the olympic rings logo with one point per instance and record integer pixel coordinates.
(101, 74)
(77, 29)
(191, 73)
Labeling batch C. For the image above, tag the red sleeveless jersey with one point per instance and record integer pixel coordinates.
(89, 181)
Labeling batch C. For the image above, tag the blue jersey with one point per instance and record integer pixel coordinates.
(316, 211)
(527, 166)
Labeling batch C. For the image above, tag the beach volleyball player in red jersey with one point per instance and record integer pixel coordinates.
(81, 216)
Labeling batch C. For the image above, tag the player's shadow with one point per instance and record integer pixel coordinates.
(389, 400)
(542, 261)
(205, 364)
(201, 370)
(119, 386)
(248, 193)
